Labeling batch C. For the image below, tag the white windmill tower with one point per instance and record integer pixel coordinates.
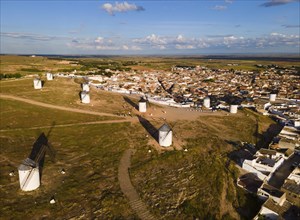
(142, 105)
(29, 175)
(233, 108)
(49, 76)
(165, 135)
(37, 83)
(85, 97)
(85, 87)
(206, 102)
(272, 97)
(29, 170)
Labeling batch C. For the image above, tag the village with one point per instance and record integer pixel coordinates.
(272, 172)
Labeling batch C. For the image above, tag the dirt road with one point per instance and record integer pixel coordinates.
(29, 101)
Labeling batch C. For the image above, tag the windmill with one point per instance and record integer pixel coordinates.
(165, 135)
(85, 85)
(37, 83)
(29, 170)
(142, 104)
(171, 125)
(85, 97)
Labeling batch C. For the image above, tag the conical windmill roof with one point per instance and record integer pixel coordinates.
(164, 127)
(143, 100)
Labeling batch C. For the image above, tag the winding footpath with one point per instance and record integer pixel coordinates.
(129, 191)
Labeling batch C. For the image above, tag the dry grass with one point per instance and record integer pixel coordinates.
(32, 65)
(90, 156)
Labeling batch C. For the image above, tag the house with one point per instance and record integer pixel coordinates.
(262, 166)
(292, 187)
(273, 211)
(267, 191)
(272, 154)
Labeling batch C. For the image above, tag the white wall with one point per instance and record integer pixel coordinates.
(247, 165)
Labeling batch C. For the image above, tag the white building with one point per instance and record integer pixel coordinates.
(267, 191)
(37, 83)
(142, 105)
(49, 76)
(267, 213)
(233, 109)
(295, 175)
(29, 175)
(263, 167)
(165, 136)
(85, 97)
(206, 102)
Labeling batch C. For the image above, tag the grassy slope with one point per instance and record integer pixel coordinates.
(89, 188)
(64, 92)
(12, 116)
(198, 183)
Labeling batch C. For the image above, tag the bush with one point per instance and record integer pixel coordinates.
(8, 76)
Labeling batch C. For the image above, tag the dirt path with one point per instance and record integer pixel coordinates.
(69, 125)
(29, 101)
(129, 191)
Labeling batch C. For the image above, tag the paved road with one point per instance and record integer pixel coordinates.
(129, 191)
(29, 101)
(283, 172)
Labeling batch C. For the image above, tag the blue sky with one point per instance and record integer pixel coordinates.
(150, 27)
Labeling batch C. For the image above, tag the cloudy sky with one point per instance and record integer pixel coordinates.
(149, 27)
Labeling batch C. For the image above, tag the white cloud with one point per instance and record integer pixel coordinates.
(220, 7)
(31, 36)
(120, 7)
(101, 43)
(99, 40)
(223, 41)
(271, 3)
(229, 1)
(182, 47)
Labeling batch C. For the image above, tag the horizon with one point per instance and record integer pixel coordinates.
(150, 28)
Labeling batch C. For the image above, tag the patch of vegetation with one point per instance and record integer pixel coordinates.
(209, 80)
(10, 76)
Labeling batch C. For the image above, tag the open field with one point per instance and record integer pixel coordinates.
(197, 183)
(64, 92)
(25, 65)
(39, 65)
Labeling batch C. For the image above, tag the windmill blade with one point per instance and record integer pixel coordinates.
(167, 134)
(27, 179)
(50, 130)
(51, 151)
(40, 155)
(172, 127)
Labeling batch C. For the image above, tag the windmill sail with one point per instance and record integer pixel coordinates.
(29, 169)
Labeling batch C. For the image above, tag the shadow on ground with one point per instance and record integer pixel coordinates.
(130, 102)
(153, 131)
